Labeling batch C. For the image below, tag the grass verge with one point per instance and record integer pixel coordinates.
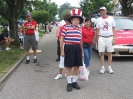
(9, 58)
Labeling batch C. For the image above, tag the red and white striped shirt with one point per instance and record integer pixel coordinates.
(72, 35)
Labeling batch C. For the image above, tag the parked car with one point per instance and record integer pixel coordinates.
(124, 38)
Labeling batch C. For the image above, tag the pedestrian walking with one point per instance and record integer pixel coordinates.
(88, 34)
(61, 64)
(29, 39)
(105, 29)
(73, 49)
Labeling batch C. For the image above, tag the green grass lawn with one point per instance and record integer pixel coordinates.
(9, 58)
(1, 29)
(41, 33)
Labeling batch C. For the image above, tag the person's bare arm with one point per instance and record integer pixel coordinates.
(97, 34)
(57, 31)
(114, 35)
(62, 46)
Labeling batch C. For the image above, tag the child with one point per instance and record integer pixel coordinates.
(61, 64)
(21, 36)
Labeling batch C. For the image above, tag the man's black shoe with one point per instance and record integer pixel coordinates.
(69, 87)
(75, 85)
(35, 60)
(27, 62)
(58, 59)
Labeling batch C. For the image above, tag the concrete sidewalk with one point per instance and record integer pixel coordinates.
(36, 81)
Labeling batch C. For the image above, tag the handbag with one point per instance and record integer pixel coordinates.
(86, 45)
(82, 76)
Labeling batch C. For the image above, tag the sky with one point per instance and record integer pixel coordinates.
(72, 2)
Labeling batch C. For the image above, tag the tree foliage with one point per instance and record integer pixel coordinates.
(64, 8)
(126, 7)
(94, 5)
(11, 10)
(66, 11)
(41, 16)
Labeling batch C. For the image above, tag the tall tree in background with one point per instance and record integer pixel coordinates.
(126, 7)
(11, 10)
(64, 8)
(64, 12)
(50, 7)
(94, 5)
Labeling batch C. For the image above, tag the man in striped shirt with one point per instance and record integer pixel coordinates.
(73, 49)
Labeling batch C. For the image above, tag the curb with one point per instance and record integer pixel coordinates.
(3, 78)
(11, 70)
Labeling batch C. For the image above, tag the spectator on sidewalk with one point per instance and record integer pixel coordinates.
(21, 37)
(5, 39)
(58, 41)
(106, 33)
(73, 49)
(88, 34)
(61, 64)
(29, 39)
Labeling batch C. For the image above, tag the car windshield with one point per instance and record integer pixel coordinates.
(124, 24)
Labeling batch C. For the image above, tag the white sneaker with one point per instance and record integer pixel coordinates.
(88, 72)
(58, 76)
(7, 49)
(110, 70)
(102, 70)
(21, 47)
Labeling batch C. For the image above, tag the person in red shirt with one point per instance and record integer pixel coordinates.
(61, 64)
(87, 38)
(29, 39)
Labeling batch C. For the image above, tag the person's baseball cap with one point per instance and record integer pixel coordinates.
(102, 8)
(29, 14)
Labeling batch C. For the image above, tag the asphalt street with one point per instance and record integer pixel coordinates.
(36, 81)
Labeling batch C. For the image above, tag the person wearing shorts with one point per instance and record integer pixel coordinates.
(105, 29)
(73, 49)
(29, 39)
(61, 64)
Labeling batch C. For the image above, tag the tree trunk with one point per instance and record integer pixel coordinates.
(126, 8)
(13, 25)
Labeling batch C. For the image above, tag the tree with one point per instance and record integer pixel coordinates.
(66, 11)
(53, 8)
(94, 5)
(50, 7)
(11, 10)
(126, 7)
(41, 16)
(63, 7)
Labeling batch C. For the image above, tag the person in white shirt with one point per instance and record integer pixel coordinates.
(105, 29)
(58, 41)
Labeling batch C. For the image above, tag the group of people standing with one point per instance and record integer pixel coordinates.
(75, 44)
